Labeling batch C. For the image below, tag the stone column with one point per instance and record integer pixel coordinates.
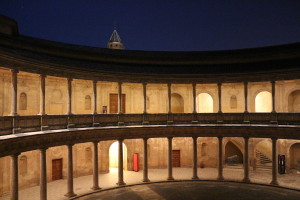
(169, 98)
(145, 97)
(195, 173)
(194, 98)
(220, 167)
(14, 179)
(246, 160)
(70, 192)
(120, 97)
(14, 92)
(246, 96)
(120, 164)
(170, 166)
(145, 179)
(43, 174)
(70, 96)
(220, 97)
(42, 94)
(273, 97)
(95, 167)
(274, 162)
(95, 96)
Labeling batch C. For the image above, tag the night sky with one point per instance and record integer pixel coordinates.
(183, 25)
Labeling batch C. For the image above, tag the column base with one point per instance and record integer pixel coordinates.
(95, 188)
(195, 122)
(71, 126)
(170, 122)
(274, 182)
(170, 179)
(195, 178)
(246, 180)
(220, 178)
(120, 183)
(146, 180)
(71, 194)
(96, 124)
(145, 123)
(121, 124)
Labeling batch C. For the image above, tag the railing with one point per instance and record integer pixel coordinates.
(22, 124)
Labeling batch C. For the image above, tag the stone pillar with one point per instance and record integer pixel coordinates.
(194, 98)
(169, 98)
(120, 97)
(170, 167)
(14, 180)
(220, 166)
(145, 172)
(120, 164)
(273, 97)
(145, 97)
(246, 96)
(70, 192)
(220, 97)
(14, 92)
(246, 160)
(274, 162)
(42, 94)
(95, 96)
(70, 96)
(95, 167)
(43, 174)
(195, 173)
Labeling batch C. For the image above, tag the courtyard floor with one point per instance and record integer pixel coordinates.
(57, 189)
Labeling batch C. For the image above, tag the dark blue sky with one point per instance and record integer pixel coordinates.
(183, 25)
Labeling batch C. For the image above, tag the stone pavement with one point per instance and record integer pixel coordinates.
(57, 189)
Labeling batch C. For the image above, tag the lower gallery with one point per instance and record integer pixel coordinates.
(77, 119)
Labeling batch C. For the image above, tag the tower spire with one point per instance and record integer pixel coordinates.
(115, 40)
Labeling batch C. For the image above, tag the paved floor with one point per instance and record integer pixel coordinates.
(195, 190)
(57, 189)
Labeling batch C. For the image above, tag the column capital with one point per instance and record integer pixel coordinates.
(44, 149)
(96, 142)
(246, 83)
(170, 138)
(145, 138)
(219, 83)
(120, 139)
(274, 138)
(15, 155)
(246, 137)
(144, 84)
(195, 137)
(14, 71)
(42, 75)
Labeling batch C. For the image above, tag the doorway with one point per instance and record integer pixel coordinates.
(113, 103)
(176, 158)
(57, 169)
(113, 155)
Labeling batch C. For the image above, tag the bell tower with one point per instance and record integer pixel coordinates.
(115, 41)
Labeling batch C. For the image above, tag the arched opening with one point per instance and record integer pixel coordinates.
(205, 103)
(177, 103)
(113, 155)
(263, 102)
(233, 154)
(23, 101)
(294, 101)
(263, 154)
(88, 102)
(295, 156)
(23, 165)
(233, 102)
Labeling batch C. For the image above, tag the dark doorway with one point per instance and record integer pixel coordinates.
(176, 158)
(57, 169)
(113, 103)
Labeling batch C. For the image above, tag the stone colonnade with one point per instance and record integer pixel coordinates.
(95, 186)
(14, 88)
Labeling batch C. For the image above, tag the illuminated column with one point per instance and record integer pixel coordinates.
(220, 167)
(14, 92)
(95, 167)
(274, 162)
(145, 179)
(195, 174)
(70, 192)
(273, 97)
(42, 94)
(145, 97)
(120, 97)
(170, 167)
(43, 174)
(246, 96)
(70, 96)
(246, 160)
(220, 96)
(120, 164)
(14, 185)
(169, 98)
(95, 96)
(194, 98)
